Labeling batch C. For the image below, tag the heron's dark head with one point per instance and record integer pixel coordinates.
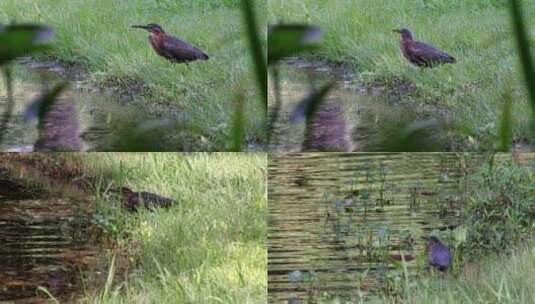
(405, 33)
(432, 239)
(151, 27)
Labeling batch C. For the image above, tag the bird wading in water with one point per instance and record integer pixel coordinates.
(134, 200)
(438, 254)
(171, 48)
(422, 54)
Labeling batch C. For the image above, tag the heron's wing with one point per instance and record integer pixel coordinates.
(427, 53)
(441, 257)
(182, 51)
(151, 200)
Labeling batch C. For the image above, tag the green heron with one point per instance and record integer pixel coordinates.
(421, 54)
(132, 200)
(438, 254)
(171, 48)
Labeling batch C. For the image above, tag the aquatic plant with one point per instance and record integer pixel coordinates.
(415, 196)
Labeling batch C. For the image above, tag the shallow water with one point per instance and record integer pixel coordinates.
(308, 230)
(45, 242)
(83, 118)
(352, 117)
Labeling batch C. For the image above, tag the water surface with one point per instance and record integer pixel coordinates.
(339, 220)
(45, 242)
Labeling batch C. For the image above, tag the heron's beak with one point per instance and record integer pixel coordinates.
(425, 238)
(141, 27)
(396, 31)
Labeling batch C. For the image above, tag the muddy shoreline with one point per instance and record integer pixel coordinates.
(119, 115)
(128, 91)
(46, 215)
(351, 80)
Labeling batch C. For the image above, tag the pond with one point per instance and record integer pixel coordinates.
(83, 118)
(45, 242)
(338, 222)
(353, 117)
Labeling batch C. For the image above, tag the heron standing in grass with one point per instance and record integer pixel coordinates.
(422, 54)
(133, 200)
(171, 48)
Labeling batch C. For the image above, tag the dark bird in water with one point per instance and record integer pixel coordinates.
(171, 48)
(133, 200)
(421, 54)
(438, 254)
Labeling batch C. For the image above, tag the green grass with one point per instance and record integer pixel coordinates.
(478, 33)
(495, 279)
(494, 249)
(96, 35)
(211, 248)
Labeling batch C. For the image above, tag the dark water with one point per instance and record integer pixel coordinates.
(44, 242)
(353, 117)
(400, 198)
(83, 118)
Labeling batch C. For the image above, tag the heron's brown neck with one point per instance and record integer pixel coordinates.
(406, 39)
(157, 33)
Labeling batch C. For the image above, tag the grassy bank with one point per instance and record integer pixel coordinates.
(495, 257)
(210, 248)
(495, 279)
(96, 35)
(359, 34)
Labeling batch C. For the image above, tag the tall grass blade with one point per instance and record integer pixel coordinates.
(522, 39)
(506, 123)
(276, 108)
(259, 57)
(109, 280)
(10, 102)
(40, 107)
(48, 294)
(307, 107)
(237, 125)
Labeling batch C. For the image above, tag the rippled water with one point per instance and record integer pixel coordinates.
(334, 216)
(45, 242)
(351, 118)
